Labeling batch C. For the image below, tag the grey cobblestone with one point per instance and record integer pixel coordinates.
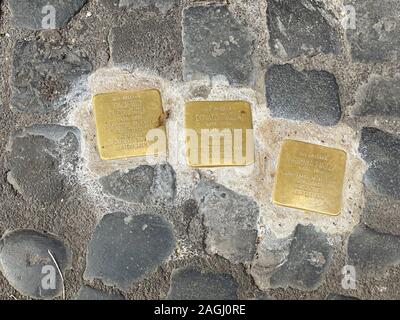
(230, 219)
(301, 27)
(380, 97)
(194, 284)
(88, 293)
(162, 5)
(372, 252)
(271, 254)
(149, 42)
(37, 156)
(309, 258)
(215, 44)
(303, 95)
(142, 184)
(124, 248)
(23, 256)
(381, 212)
(381, 151)
(30, 14)
(43, 74)
(375, 37)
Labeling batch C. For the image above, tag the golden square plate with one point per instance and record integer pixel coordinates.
(310, 177)
(219, 133)
(123, 120)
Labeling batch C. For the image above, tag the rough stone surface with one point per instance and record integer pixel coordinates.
(381, 213)
(215, 43)
(162, 5)
(88, 293)
(375, 38)
(151, 42)
(381, 151)
(23, 256)
(194, 284)
(43, 74)
(334, 296)
(30, 14)
(142, 184)
(380, 97)
(271, 253)
(307, 95)
(126, 248)
(230, 219)
(164, 183)
(41, 158)
(301, 27)
(309, 258)
(372, 252)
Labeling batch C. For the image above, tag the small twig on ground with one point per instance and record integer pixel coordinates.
(59, 271)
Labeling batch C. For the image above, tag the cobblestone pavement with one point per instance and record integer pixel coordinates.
(128, 229)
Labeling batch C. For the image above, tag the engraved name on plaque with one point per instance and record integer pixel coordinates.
(219, 133)
(310, 177)
(127, 121)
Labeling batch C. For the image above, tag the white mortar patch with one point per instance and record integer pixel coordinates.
(255, 181)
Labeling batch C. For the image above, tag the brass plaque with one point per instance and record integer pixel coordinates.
(219, 133)
(124, 120)
(310, 177)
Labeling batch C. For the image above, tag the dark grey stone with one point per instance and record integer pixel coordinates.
(309, 258)
(190, 208)
(194, 284)
(132, 186)
(301, 27)
(125, 248)
(88, 293)
(380, 97)
(142, 184)
(164, 183)
(307, 95)
(149, 42)
(372, 252)
(24, 257)
(376, 36)
(162, 5)
(30, 14)
(41, 159)
(381, 151)
(215, 43)
(272, 252)
(381, 212)
(334, 296)
(43, 74)
(230, 219)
